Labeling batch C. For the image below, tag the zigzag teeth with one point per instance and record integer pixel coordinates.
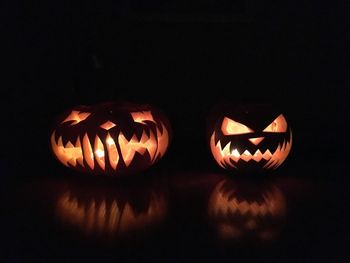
(87, 150)
(227, 158)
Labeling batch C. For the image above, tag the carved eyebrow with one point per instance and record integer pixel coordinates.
(277, 125)
(76, 117)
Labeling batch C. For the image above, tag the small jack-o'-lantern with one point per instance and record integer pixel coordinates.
(246, 212)
(110, 138)
(102, 209)
(249, 138)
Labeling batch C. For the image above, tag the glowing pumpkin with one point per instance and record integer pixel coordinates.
(246, 212)
(249, 138)
(110, 138)
(113, 210)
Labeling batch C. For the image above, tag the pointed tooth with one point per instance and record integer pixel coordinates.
(99, 152)
(226, 150)
(69, 145)
(144, 137)
(87, 150)
(126, 149)
(151, 145)
(112, 152)
(246, 156)
(257, 156)
(246, 152)
(219, 145)
(235, 153)
(267, 154)
(163, 140)
(60, 143)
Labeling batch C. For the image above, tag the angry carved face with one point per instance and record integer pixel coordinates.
(250, 138)
(110, 138)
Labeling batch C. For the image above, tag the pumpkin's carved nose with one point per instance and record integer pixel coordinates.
(256, 140)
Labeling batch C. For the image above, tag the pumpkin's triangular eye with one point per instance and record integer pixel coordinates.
(231, 127)
(142, 116)
(76, 117)
(278, 125)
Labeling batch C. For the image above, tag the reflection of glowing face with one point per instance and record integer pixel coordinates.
(241, 142)
(110, 139)
(238, 215)
(109, 216)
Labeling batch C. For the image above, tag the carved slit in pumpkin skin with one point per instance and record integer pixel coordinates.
(225, 157)
(76, 117)
(70, 154)
(106, 216)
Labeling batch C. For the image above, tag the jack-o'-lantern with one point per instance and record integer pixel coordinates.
(111, 210)
(110, 138)
(249, 138)
(246, 212)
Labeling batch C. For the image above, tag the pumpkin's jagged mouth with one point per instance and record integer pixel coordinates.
(224, 203)
(108, 216)
(84, 152)
(228, 156)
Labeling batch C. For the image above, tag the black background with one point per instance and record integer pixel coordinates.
(184, 57)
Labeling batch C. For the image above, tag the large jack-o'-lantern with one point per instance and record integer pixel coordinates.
(111, 210)
(110, 138)
(249, 138)
(246, 212)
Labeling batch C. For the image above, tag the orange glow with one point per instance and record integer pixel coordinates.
(112, 152)
(108, 125)
(88, 154)
(146, 143)
(231, 127)
(99, 152)
(76, 117)
(226, 203)
(236, 215)
(256, 141)
(228, 159)
(278, 125)
(109, 216)
(106, 150)
(154, 145)
(68, 154)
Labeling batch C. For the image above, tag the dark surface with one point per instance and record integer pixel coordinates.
(198, 53)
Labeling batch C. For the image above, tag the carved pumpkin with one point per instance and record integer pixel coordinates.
(246, 212)
(110, 138)
(113, 210)
(249, 138)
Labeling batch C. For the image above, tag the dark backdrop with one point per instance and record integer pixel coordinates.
(184, 57)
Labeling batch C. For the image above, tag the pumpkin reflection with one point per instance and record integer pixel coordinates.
(246, 212)
(110, 210)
